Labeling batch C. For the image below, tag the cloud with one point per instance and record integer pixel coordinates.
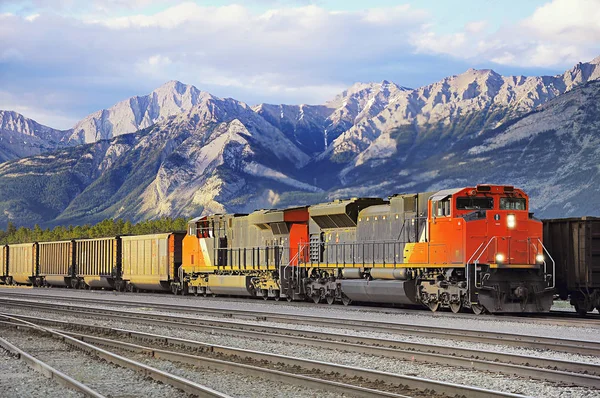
(290, 54)
(559, 33)
(90, 55)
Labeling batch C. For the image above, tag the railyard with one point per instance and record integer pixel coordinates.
(250, 348)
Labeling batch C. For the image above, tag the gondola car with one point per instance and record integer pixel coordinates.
(574, 243)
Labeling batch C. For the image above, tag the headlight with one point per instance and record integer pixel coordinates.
(499, 258)
(539, 258)
(511, 221)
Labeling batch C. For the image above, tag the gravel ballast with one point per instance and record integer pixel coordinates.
(392, 315)
(99, 375)
(437, 372)
(17, 379)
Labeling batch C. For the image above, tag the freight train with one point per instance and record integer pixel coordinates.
(476, 247)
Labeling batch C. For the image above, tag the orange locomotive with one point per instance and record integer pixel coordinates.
(476, 247)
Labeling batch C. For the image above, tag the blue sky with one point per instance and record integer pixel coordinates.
(63, 59)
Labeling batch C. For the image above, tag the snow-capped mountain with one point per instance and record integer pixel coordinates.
(21, 137)
(137, 113)
(458, 106)
(218, 152)
(181, 151)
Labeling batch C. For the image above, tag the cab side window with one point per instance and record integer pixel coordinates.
(441, 208)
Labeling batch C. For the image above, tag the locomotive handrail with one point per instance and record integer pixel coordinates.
(553, 267)
(476, 262)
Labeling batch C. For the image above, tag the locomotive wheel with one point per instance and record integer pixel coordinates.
(289, 299)
(433, 306)
(346, 300)
(316, 298)
(277, 298)
(477, 309)
(330, 300)
(196, 292)
(455, 307)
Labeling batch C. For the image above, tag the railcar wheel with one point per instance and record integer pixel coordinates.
(433, 306)
(330, 300)
(581, 309)
(478, 309)
(346, 300)
(455, 307)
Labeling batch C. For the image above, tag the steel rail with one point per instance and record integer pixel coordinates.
(393, 380)
(156, 374)
(577, 373)
(47, 370)
(556, 318)
(581, 347)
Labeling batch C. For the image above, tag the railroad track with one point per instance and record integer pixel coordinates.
(558, 318)
(567, 372)
(102, 377)
(279, 368)
(515, 340)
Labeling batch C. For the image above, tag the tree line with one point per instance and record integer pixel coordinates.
(105, 228)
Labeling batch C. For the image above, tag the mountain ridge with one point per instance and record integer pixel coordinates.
(202, 154)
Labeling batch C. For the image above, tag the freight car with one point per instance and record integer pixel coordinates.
(127, 263)
(4, 264)
(56, 262)
(23, 263)
(575, 246)
(476, 247)
(150, 262)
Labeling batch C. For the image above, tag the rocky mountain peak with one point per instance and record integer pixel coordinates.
(138, 112)
(17, 123)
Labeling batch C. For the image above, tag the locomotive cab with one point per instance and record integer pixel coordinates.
(490, 230)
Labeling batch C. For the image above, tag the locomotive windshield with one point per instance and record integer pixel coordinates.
(474, 203)
(513, 204)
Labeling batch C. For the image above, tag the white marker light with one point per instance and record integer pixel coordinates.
(511, 221)
(499, 258)
(539, 258)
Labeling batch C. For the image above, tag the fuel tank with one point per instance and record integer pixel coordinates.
(380, 291)
(234, 285)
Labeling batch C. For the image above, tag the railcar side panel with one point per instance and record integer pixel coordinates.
(23, 263)
(98, 261)
(151, 261)
(57, 262)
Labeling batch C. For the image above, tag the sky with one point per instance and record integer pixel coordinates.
(63, 59)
